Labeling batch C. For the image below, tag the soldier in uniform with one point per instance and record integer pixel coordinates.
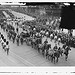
(17, 40)
(13, 38)
(4, 44)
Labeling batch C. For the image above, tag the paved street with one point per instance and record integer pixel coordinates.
(24, 55)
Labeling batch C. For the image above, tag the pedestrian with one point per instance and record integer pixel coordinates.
(13, 38)
(10, 36)
(60, 50)
(17, 29)
(21, 40)
(17, 40)
(7, 47)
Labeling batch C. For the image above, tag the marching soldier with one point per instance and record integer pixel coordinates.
(17, 40)
(13, 38)
(4, 44)
(2, 40)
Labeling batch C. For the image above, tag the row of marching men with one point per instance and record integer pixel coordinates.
(15, 38)
(13, 34)
(4, 43)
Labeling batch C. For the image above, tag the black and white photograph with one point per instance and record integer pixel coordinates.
(37, 34)
(37, 38)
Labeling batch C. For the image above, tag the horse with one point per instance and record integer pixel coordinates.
(24, 35)
(47, 47)
(60, 50)
(55, 56)
(50, 54)
(33, 42)
(42, 48)
(38, 41)
(66, 52)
